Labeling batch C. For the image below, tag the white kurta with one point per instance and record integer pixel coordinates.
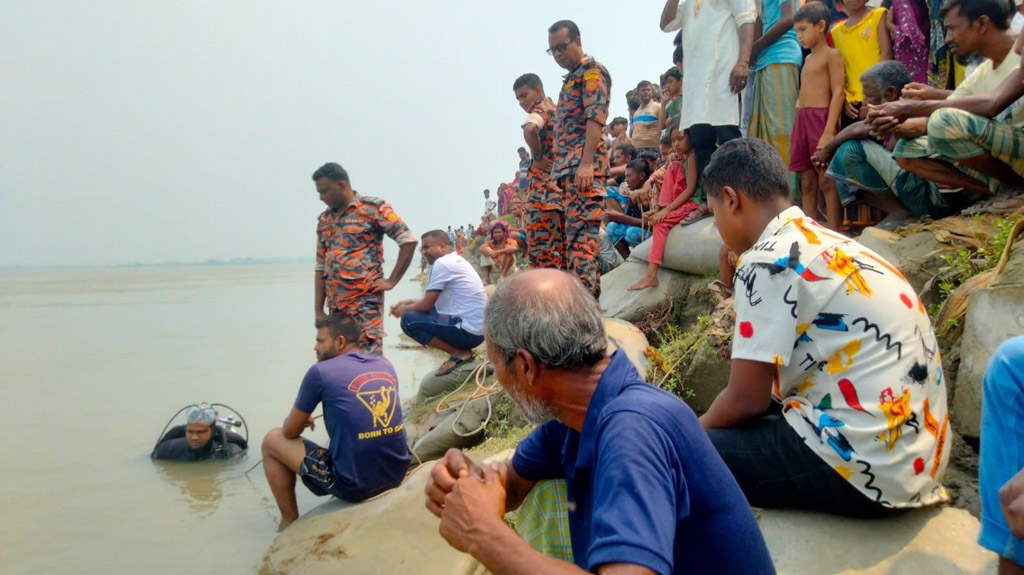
(711, 46)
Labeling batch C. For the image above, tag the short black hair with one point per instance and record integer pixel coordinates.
(640, 165)
(677, 54)
(528, 80)
(574, 30)
(521, 149)
(814, 12)
(673, 72)
(627, 151)
(748, 165)
(618, 120)
(633, 103)
(331, 170)
(440, 236)
(642, 84)
(666, 138)
(339, 323)
(998, 11)
(678, 39)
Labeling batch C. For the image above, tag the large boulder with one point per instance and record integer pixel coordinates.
(692, 249)
(391, 534)
(618, 302)
(994, 315)
(934, 541)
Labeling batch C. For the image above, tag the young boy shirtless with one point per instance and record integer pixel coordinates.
(818, 107)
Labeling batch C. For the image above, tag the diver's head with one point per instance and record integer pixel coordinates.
(199, 431)
(336, 334)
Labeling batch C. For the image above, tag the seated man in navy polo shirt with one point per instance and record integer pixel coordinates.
(647, 492)
(368, 453)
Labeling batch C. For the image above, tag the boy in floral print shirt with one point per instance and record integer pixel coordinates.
(832, 335)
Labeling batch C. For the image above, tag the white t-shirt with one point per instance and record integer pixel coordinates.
(985, 79)
(489, 206)
(462, 291)
(711, 45)
(859, 373)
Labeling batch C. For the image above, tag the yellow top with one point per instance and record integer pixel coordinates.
(860, 49)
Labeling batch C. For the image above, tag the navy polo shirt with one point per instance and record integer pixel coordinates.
(645, 485)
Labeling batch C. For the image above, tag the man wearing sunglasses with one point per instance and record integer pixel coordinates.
(581, 155)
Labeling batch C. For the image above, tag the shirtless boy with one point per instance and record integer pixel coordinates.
(818, 107)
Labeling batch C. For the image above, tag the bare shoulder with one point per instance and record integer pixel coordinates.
(833, 56)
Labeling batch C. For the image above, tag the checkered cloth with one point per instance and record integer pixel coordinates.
(543, 520)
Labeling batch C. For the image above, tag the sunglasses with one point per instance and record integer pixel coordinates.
(558, 48)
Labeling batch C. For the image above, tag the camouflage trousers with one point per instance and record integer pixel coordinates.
(368, 311)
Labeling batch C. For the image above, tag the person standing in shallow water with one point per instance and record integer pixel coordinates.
(581, 155)
(350, 254)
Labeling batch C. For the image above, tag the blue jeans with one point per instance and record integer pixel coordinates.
(1002, 444)
(425, 326)
(632, 234)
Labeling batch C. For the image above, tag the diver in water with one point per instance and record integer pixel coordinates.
(201, 438)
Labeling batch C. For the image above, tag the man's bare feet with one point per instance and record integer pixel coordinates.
(644, 283)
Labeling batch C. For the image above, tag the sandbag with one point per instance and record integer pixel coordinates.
(433, 386)
(462, 428)
(692, 249)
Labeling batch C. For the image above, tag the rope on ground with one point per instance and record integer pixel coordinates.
(479, 376)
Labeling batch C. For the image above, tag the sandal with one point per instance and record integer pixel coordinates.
(700, 213)
(451, 364)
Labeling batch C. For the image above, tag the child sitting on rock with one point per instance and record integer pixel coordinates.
(675, 202)
(835, 335)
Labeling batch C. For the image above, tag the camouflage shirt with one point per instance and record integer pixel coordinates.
(584, 97)
(350, 249)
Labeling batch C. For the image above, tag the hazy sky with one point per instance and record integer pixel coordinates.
(147, 131)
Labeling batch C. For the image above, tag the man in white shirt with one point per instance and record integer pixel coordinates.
(716, 40)
(489, 204)
(450, 316)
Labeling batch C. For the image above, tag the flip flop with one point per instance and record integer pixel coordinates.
(892, 225)
(454, 363)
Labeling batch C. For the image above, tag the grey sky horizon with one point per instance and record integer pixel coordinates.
(150, 131)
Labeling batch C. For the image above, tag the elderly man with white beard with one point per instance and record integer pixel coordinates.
(647, 492)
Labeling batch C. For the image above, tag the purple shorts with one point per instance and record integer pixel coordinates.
(807, 130)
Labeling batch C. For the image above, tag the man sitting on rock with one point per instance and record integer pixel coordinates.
(359, 392)
(838, 338)
(646, 491)
(450, 317)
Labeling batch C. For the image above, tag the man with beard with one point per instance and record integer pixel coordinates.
(363, 417)
(198, 443)
(450, 315)
(647, 493)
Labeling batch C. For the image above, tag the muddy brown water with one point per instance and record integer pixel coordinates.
(93, 361)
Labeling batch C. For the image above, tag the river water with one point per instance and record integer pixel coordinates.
(93, 361)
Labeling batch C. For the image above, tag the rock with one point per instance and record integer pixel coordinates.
(706, 375)
(692, 249)
(933, 541)
(918, 256)
(391, 534)
(993, 315)
(618, 302)
(627, 337)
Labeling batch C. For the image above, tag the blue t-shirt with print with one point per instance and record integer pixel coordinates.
(363, 418)
(645, 485)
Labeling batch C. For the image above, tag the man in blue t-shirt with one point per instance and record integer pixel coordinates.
(646, 490)
(359, 393)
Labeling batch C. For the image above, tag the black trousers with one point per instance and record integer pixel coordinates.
(705, 139)
(776, 470)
